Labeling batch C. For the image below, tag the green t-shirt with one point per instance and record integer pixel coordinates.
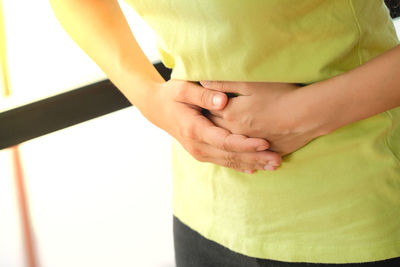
(336, 200)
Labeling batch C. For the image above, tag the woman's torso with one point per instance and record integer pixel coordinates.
(335, 200)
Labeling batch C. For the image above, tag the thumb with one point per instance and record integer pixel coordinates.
(202, 97)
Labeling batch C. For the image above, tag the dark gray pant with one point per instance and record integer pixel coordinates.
(193, 250)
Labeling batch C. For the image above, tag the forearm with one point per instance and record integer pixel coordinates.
(367, 90)
(101, 30)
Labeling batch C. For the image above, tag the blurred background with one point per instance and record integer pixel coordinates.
(98, 193)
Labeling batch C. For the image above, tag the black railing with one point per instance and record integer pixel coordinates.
(394, 7)
(58, 112)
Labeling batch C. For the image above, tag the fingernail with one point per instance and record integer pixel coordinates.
(262, 148)
(249, 171)
(217, 100)
(269, 168)
(273, 163)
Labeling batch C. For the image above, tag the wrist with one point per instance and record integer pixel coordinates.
(314, 114)
(137, 86)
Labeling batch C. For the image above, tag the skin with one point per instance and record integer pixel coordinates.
(101, 30)
(290, 116)
(235, 133)
(262, 110)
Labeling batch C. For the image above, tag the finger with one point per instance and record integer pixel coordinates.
(226, 86)
(233, 106)
(223, 139)
(194, 94)
(247, 161)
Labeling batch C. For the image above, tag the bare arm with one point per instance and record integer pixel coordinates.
(367, 90)
(100, 29)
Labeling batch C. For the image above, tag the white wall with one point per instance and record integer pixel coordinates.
(99, 192)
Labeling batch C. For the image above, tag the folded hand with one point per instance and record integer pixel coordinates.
(273, 111)
(176, 106)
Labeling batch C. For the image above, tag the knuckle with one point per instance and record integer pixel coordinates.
(225, 143)
(191, 148)
(216, 85)
(196, 153)
(181, 92)
(228, 116)
(232, 161)
(219, 85)
(188, 132)
(205, 97)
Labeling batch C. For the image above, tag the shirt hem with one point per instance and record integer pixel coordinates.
(309, 254)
